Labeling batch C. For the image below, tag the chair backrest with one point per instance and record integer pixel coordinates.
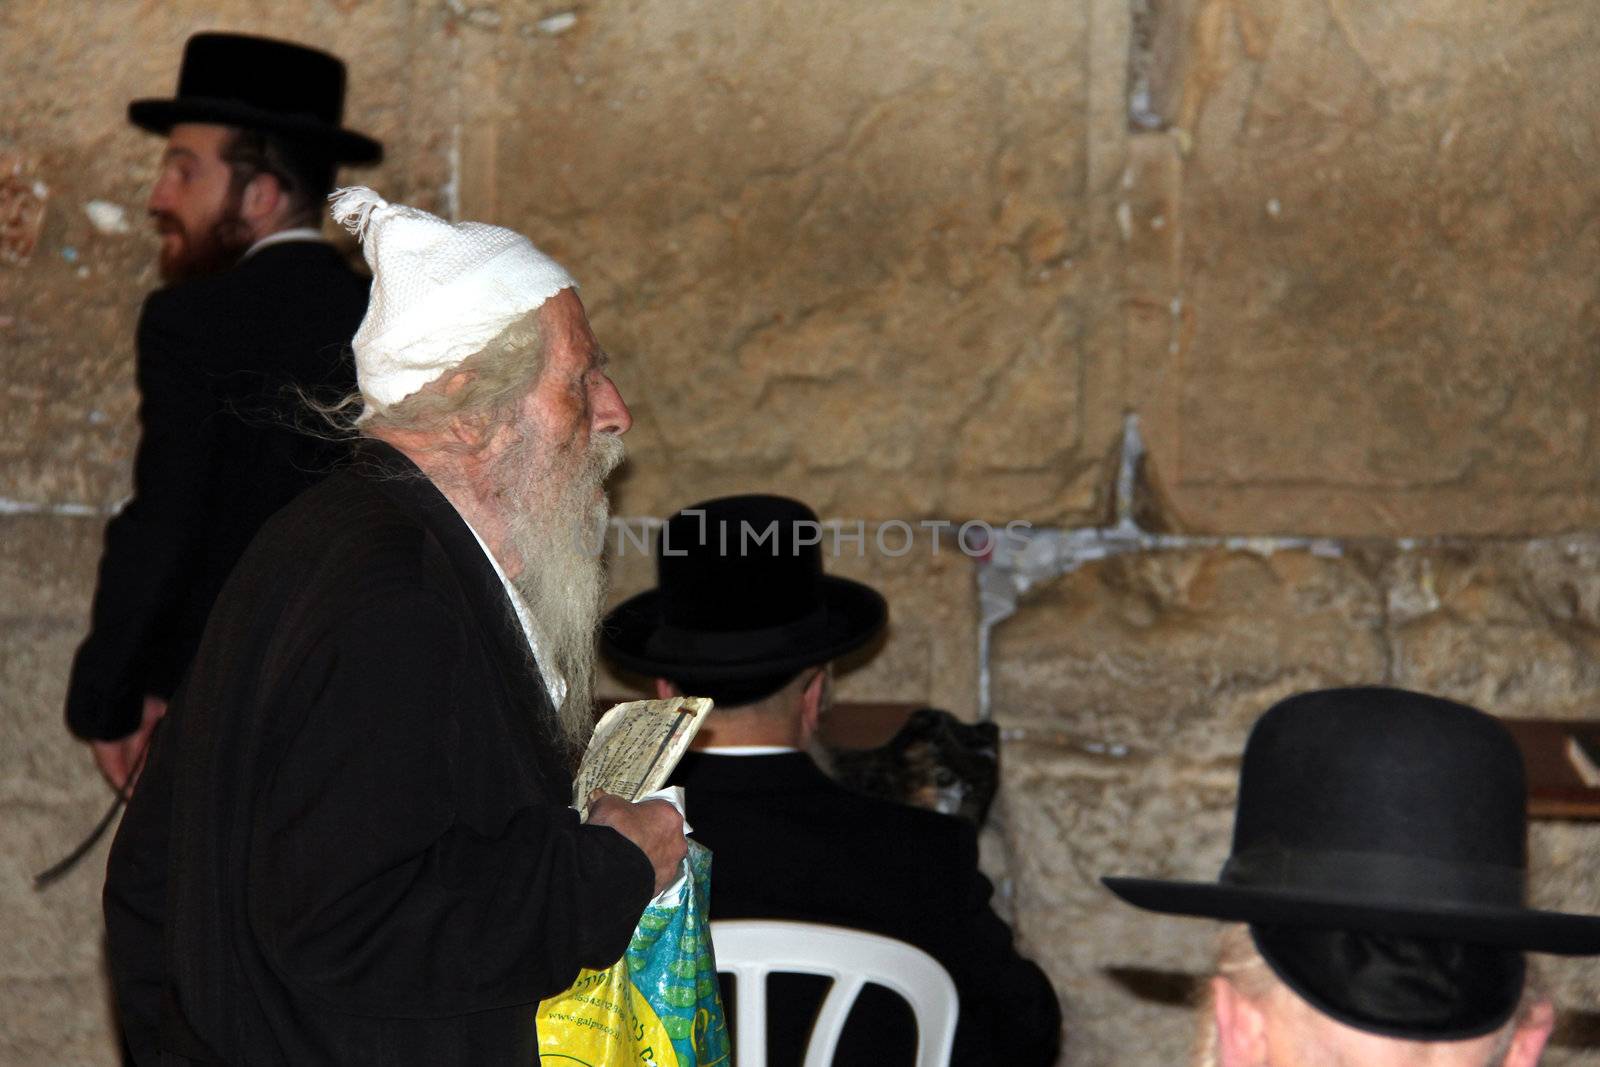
(751, 949)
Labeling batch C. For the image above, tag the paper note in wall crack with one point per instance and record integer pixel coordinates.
(1583, 751)
(635, 747)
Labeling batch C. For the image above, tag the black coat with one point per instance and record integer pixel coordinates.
(353, 843)
(787, 842)
(221, 363)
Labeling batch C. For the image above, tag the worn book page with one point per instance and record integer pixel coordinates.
(635, 746)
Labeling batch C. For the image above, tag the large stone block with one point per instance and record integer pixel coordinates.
(1177, 652)
(1129, 687)
(1510, 628)
(1389, 304)
(1071, 817)
(39, 753)
(1568, 879)
(55, 931)
(59, 1020)
(797, 232)
(50, 797)
(47, 567)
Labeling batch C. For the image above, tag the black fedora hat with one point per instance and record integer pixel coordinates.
(233, 79)
(741, 598)
(1384, 829)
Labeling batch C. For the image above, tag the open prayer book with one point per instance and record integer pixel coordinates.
(635, 747)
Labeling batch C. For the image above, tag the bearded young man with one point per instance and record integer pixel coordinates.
(258, 309)
(1375, 893)
(353, 843)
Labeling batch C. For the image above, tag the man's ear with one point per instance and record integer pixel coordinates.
(473, 433)
(1533, 1030)
(261, 201)
(665, 690)
(1241, 1027)
(812, 699)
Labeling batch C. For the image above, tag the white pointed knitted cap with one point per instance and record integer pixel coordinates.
(440, 291)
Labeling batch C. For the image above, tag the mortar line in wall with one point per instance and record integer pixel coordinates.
(68, 509)
(74, 509)
(1018, 559)
(1023, 559)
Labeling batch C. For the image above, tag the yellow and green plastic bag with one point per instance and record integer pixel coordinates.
(658, 1006)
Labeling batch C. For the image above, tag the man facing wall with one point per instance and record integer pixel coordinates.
(744, 614)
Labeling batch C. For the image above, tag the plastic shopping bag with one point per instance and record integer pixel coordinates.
(658, 1006)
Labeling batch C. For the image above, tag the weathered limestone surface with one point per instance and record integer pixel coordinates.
(51, 982)
(806, 227)
(1128, 687)
(800, 227)
(1379, 253)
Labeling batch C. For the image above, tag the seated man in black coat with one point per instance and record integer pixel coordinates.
(353, 843)
(743, 614)
(258, 310)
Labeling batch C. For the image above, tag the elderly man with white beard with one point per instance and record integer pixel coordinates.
(353, 842)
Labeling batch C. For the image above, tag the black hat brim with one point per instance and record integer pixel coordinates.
(854, 615)
(1527, 929)
(342, 146)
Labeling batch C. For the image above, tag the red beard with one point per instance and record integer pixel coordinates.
(212, 250)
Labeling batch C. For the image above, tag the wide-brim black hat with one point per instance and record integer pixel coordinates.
(258, 83)
(1384, 810)
(741, 596)
(1381, 812)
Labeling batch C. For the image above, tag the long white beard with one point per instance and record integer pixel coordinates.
(555, 506)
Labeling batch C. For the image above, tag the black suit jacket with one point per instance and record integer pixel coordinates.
(787, 842)
(221, 364)
(353, 843)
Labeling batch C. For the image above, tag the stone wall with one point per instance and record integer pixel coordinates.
(1359, 258)
(915, 261)
(1127, 687)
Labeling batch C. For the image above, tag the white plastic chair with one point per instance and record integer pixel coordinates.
(751, 949)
